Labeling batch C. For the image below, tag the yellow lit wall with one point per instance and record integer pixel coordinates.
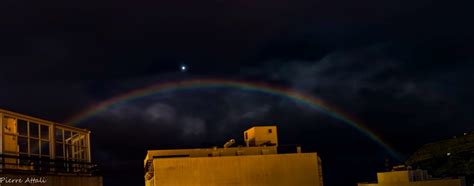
(262, 170)
(256, 136)
(10, 142)
(393, 177)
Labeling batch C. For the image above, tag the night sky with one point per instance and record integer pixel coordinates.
(403, 68)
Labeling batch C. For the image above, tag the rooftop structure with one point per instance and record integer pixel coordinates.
(261, 135)
(260, 162)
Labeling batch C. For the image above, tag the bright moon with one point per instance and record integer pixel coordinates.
(183, 68)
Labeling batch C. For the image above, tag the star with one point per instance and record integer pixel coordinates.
(184, 68)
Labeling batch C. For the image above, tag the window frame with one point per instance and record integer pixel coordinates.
(70, 149)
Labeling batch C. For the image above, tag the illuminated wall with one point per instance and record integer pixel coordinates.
(263, 170)
(260, 135)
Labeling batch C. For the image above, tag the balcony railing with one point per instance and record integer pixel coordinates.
(10, 164)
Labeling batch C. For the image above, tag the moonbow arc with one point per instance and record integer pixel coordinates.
(300, 98)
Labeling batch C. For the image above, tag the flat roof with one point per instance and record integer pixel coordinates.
(202, 152)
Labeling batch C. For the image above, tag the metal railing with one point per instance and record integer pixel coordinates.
(42, 166)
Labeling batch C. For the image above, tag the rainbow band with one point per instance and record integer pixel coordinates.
(300, 98)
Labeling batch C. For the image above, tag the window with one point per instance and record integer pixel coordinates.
(59, 143)
(22, 127)
(34, 147)
(270, 131)
(71, 145)
(26, 138)
(45, 148)
(23, 144)
(59, 151)
(44, 132)
(34, 130)
(59, 135)
(67, 136)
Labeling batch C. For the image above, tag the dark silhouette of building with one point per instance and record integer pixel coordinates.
(447, 158)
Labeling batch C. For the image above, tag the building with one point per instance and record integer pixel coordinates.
(261, 162)
(447, 157)
(46, 151)
(412, 178)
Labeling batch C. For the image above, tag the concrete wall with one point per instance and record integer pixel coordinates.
(50, 180)
(262, 170)
(393, 177)
(451, 182)
(402, 176)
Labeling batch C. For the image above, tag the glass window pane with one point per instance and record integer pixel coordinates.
(69, 151)
(34, 130)
(59, 150)
(67, 136)
(23, 144)
(83, 141)
(74, 135)
(59, 135)
(44, 148)
(22, 127)
(79, 154)
(34, 146)
(44, 132)
(84, 154)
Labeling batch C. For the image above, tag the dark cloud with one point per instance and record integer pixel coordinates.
(390, 92)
